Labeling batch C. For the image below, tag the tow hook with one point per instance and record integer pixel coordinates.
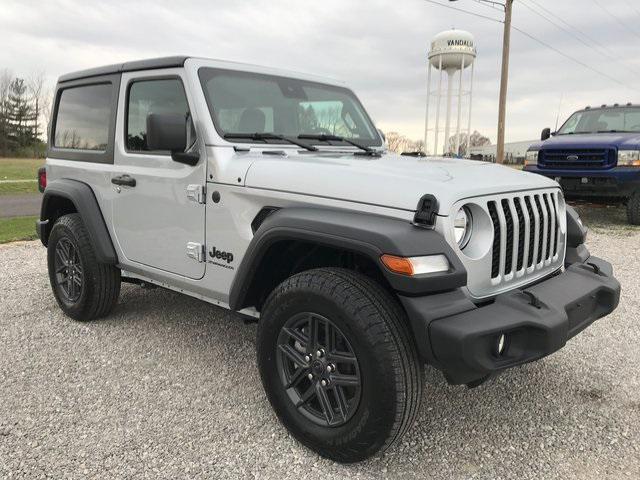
(534, 301)
(596, 268)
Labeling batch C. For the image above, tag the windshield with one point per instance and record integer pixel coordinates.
(252, 103)
(623, 119)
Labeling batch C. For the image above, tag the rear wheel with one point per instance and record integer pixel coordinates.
(84, 288)
(337, 363)
(633, 209)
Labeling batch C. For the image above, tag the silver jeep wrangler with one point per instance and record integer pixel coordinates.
(271, 194)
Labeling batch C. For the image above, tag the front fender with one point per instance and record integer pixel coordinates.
(363, 233)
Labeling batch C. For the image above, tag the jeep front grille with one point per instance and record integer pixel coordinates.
(525, 233)
(526, 240)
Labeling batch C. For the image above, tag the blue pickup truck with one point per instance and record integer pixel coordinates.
(595, 155)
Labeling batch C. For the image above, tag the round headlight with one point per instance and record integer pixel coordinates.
(462, 225)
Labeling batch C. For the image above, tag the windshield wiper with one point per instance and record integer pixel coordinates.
(268, 136)
(323, 137)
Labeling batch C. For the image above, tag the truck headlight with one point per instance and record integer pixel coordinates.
(531, 158)
(629, 158)
(462, 226)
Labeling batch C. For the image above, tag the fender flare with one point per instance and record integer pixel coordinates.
(367, 234)
(84, 200)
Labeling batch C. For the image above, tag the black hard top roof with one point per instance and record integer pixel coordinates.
(148, 64)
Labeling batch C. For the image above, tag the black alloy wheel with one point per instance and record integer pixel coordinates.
(318, 369)
(69, 273)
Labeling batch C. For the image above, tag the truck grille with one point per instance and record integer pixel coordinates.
(593, 158)
(526, 233)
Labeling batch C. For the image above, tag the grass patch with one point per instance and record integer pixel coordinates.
(18, 188)
(17, 228)
(20, 168)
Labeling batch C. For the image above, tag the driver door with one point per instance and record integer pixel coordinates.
(158, 214)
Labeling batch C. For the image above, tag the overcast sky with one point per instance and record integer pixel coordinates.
(378, 47)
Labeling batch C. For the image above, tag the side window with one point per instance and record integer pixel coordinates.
(151, 96)
(82, 120)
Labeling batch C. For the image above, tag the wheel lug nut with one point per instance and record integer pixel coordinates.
(330, 368)
(320, 353)
(310, 376)
(324, 382)
(307, 358)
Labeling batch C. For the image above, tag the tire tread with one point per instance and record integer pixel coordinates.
(105, 290)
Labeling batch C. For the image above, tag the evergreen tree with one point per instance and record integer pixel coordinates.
(20, 115)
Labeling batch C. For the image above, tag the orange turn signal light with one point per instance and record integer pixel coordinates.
(399, 265)
(412, 266)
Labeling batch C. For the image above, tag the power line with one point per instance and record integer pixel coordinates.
(541, 42)
(580, 62)
(624, 25)
(492, 5)
(632, 7)
(552, 22)
(561, 20)
(486, 17)
(568, 32)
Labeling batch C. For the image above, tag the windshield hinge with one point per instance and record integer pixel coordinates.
(196, 251)
(426, 212)
(197, 193)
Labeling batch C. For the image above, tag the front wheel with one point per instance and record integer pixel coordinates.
(337, 363)
(84, 288)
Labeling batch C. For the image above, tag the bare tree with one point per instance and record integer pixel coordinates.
(476, 140)
(399, 143)
(395, 142)
(6, 78)
(39, 101)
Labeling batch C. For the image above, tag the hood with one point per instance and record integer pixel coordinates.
(591, 140)
(389, 181)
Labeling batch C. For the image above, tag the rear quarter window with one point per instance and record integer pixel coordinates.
(83, 118)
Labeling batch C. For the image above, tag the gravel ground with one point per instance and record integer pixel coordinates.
(167, 387)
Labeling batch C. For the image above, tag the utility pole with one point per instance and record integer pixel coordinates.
(504, 77)
(504, 80)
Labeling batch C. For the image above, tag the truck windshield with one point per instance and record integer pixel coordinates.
(622, 119)
(252, 103)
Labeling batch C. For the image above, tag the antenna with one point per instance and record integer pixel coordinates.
(558, 116)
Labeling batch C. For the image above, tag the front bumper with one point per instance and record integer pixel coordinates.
(618, 182)
(461, 338)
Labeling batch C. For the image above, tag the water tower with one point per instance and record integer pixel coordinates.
(451, 52)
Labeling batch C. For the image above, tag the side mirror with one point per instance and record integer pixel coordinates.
(170, 131)
(384, 138)
(546, 133)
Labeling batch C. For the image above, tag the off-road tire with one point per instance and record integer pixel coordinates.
(391, 371)
(633, 209)
(100, 283)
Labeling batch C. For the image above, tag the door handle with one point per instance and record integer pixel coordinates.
(124, 180)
